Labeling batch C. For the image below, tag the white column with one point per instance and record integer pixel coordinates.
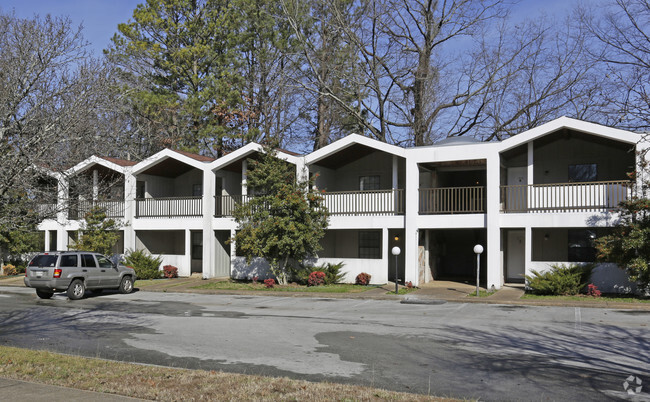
(642, 158)
(208, 233)
(47, 241)
(493, 231)
(95, 184)
(410, 222)
(129, 210)
(61, 239)
(427, 241)
(528, 251)
(62, 199)
(244, 177)
(530, 172)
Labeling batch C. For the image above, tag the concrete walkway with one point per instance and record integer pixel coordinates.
(436, 291)
(16, 390)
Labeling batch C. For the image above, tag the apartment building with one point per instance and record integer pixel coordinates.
(532, 200)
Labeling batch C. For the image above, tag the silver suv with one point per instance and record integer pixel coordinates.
(75, 271)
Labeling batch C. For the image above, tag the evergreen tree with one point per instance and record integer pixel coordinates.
(98, 233)
(285, 219)
(180, 65)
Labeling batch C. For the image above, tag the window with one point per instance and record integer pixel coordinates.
(582, 173)
(369, 183)
(197, 190)
(68, 260)
(369, 244)
(104, 262)
(581, 245)
(88, 261)
(43, 261)
(139, 189)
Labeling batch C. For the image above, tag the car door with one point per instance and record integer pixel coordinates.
(109, 275)
(90, 270)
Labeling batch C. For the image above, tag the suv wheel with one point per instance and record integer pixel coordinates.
(43, 294)
(126, 286)
(76, 289)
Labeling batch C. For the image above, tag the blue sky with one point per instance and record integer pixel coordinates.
(100, 17)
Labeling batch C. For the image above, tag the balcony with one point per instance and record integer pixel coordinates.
(79, 209)
(225, 204)
(169, 207)
(452, 200)
(565, 197)
(376, 202)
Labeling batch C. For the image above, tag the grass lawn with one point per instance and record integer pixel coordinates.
(172, 384)
(584, 298)
(403, 291)
(143, 283)
(481, 293)
(234, 285)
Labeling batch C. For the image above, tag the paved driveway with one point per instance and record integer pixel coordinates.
(491, 352)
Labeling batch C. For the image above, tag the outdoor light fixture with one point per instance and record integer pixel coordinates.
(478, 249)
(396, 251)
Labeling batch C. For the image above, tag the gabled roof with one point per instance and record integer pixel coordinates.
(182, 161)
(354, 145)
(571, 124)
(200, 158)
(119, 162)
(118, 165)
(236, 156)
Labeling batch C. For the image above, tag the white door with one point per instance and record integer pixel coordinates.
(516, 196)
(516, 256)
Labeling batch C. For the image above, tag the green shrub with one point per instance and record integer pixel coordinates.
(146, 266)
(332, 272)
(560, 279)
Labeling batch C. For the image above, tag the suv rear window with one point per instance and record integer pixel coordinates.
(43, 261)
(69, 260)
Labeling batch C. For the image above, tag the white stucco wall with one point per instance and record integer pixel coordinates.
(609, 278)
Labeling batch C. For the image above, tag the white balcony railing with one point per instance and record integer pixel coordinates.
(168, 207)
(560, 197)
(79, 208)
(376, 202)
(452, 200)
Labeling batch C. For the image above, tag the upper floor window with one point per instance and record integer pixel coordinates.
(583, 172)
(139, 189)
(369, 183)
(197, 190)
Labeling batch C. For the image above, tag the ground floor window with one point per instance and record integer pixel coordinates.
(369, 244)
(581, 245)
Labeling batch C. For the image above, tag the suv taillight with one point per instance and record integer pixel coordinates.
(57, 273)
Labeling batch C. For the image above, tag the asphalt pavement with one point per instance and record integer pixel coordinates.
(435, 293)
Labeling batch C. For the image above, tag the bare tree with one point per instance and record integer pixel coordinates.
(622, 29)
(48, 90)
(432, 69)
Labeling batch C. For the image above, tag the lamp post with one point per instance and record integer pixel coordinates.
(478, 249)
(396, 251)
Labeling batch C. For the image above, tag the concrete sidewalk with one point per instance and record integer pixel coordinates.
(429, 293)
(16, 390)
